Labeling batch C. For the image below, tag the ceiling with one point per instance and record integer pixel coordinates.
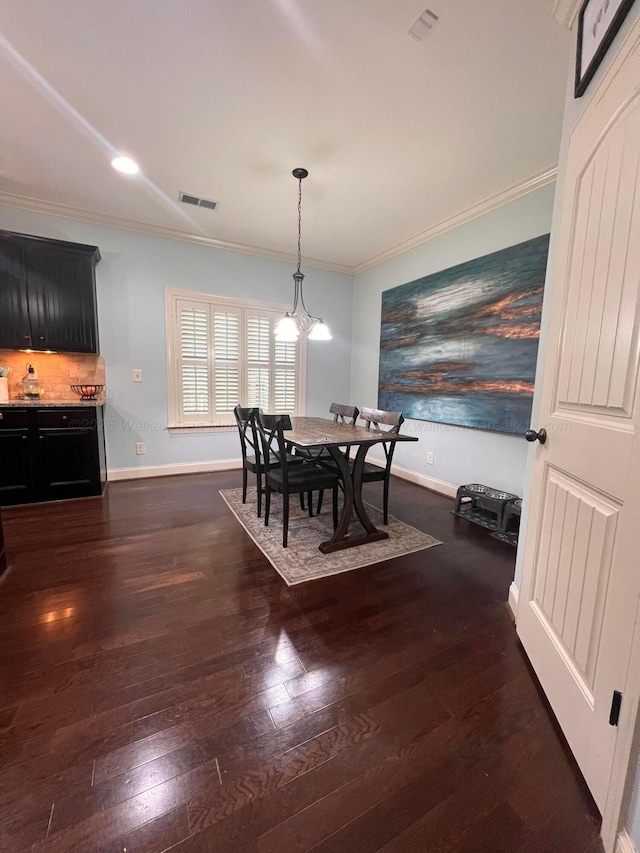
(223, 98)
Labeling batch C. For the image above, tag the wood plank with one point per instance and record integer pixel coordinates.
(183, 698)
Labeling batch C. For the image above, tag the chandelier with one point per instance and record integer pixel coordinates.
(288, 328)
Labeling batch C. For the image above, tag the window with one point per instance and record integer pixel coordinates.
(222, 352)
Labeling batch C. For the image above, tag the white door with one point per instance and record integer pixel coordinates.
(581, 566)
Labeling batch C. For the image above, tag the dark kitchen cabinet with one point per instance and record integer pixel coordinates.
(3, 553)
(47, 294)
(51, 453)
(16, 481)
(14, 314)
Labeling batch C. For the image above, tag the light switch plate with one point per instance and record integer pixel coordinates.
(137, 376)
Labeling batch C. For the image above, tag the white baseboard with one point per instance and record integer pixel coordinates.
(624, 844)
(139, 473)
(422, 480)
(514, 592)
(142, 472)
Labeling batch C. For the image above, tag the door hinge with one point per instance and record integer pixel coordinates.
(616, 702)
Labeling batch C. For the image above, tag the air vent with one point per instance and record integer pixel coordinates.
(187, 198)
(425, 23)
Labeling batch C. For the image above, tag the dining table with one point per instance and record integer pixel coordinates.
(319, 436)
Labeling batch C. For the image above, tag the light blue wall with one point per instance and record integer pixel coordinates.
(460, 455)
(132, 275)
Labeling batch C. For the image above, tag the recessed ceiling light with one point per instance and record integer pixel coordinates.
(126, 165)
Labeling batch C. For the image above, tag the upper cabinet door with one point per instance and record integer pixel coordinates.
(47, 294)
(62, 299)
(15, 332)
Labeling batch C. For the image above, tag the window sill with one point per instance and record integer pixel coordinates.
(190, 430)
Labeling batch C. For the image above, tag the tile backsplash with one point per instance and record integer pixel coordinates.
(56, 372)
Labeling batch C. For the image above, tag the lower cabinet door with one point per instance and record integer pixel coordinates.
(3, 553)
(16, 480)
(66, 463)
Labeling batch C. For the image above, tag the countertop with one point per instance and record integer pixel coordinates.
(45, 404)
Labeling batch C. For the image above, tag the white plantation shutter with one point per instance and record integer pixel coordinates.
(195, 389)
(258, 388)
(225, 353)
(193, 363)
(226, 359)
(258, 339)
(285, 377)
(258, 351)
(285, 394)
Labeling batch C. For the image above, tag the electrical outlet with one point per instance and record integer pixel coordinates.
(140, 448)
(137, 376)
(429, 458)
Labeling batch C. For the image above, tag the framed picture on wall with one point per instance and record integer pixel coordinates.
(459, 346)
(598, 23)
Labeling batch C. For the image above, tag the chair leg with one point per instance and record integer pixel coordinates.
(244, 485)
(320, 497)
(285, 519)
(259, 488)
(301, 500)
(385, 502)
(267, 505)
(335, 507)
(310, 502)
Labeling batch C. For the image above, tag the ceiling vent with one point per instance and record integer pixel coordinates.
(425, 23)
(187, 198)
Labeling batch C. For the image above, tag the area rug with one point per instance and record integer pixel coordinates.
(301, 560)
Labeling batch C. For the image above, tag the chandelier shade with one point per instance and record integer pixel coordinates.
(298, 320)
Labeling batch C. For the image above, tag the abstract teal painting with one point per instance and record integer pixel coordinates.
(460, 346)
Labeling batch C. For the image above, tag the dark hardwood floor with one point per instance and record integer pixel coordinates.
(162, 689)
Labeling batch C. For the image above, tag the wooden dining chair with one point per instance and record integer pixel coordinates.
(371, 473)
(384, 422)
(344, 414)
(288, 479)
(252, 458)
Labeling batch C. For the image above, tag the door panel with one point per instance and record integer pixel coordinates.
(16, 482)
(61, 299)
(3, 553)
(580, 585)
(599, 356)
(571, 572)
(67, 463)
(14, 315)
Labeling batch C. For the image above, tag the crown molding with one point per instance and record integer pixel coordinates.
(486, 206)
(473, 212)
(55, 209)
(566, 11)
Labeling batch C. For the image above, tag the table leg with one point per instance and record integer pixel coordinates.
(352, 498)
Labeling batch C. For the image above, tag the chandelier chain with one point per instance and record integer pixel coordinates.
(299, 220)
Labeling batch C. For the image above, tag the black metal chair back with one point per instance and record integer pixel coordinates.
(270, 430)
(251, 453)
(304, 477)
(246, 423)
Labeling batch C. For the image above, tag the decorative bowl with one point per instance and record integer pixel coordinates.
(87, 392)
